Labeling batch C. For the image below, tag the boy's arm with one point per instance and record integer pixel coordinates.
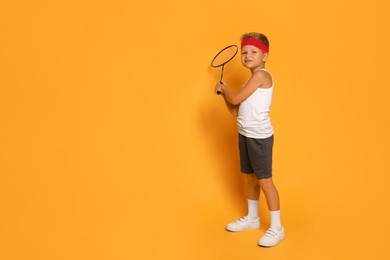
(232, 108)
(259, 79)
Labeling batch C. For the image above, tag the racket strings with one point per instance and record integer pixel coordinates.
(224, 56)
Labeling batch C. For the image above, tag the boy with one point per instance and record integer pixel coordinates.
(251, 105)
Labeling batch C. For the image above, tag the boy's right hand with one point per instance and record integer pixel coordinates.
(218, 87)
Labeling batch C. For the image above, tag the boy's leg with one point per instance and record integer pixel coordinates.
(251, 221)
(253, 187)
(275, 233)
(253, 193)
(271, 194)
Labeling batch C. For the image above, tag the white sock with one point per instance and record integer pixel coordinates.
(253, 209)
(275, 219)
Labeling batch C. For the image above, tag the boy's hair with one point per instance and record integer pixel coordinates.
(258, 36)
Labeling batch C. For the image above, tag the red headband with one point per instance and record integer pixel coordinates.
(255, 42)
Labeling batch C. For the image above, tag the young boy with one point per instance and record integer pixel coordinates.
(251, 105)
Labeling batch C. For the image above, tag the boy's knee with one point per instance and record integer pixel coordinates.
(266, 183)
(251, 177)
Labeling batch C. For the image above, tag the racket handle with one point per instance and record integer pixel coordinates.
(219, 92)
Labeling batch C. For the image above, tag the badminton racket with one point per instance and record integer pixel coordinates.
(224, 56)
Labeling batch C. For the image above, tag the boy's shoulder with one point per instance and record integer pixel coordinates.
(262, 75)
(263, 78)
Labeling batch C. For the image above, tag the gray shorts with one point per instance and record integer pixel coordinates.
(256, 156)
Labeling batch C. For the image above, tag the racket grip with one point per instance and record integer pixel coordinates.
(219, 92)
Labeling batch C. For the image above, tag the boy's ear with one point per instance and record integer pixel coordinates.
(265, 57)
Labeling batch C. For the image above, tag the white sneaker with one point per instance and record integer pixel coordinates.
(243, 223)
(272, 237)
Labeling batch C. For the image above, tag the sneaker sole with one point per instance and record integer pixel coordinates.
(270, 245)
(232, 229)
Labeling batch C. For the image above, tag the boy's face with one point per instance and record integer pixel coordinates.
(252, 57)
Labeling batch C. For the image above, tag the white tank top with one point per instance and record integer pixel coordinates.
(253, 114)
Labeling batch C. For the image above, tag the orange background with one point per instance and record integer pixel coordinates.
(113, 145)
